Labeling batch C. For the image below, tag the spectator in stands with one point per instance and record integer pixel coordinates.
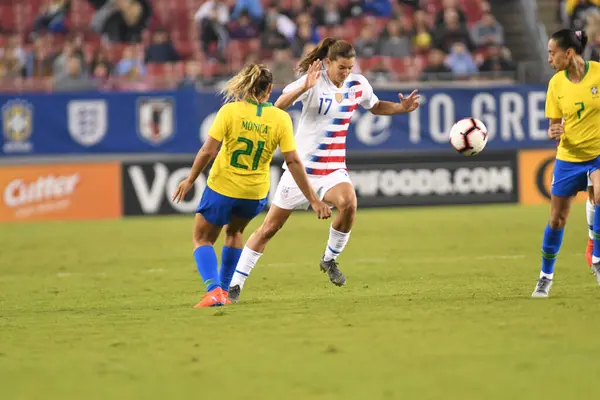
(39, 60)
(213, 17)
(578, 15)
(436, 69)
(303, 37)
(243, 28)
(131, 64)
(213, 9)
(393, 41)
(74, 79)
(329, 14)
(192, 78)
(452, 7)
(252, 8)
(421, 35)
(296, 7)
(14, 56)
(366, 44)
(161, 49)
(282, 67)
(460, 61)
(101, 75)
(52, 16)
(121, 20)
(283, 24)
(353, 9)
(377, 8)
(59, 66)
(487, 31)
(451, 32)
(100, 56)
(594, 48)
(496, 62)
(272, 38)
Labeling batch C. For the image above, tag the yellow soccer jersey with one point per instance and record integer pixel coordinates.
(579, 106)
(249, 133)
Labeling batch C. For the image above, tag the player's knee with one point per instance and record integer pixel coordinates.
(347, 206)
(202, 238)
(595, 198)
(268, 229)
(557, 221)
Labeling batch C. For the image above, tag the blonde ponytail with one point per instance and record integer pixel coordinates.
(251, 82)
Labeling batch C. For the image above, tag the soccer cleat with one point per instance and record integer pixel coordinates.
(596, 270)
(214, 298)
(335, 275)
(588, 251)
(542, 288)
(234, 294)
(226, 298)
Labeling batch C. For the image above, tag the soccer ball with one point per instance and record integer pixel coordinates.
(468, 136)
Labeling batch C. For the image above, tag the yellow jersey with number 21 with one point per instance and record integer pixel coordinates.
(249, 133)
(578, 104)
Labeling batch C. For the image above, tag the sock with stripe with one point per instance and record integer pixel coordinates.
(596, 252)
(589, 215)
(336, 243)
(229, 260)
(206, 261)
(550, 248)
(248, 260)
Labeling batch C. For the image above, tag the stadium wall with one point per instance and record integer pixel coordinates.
(109, 155)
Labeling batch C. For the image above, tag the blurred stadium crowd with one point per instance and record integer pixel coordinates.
(584, 14)
(150, 44)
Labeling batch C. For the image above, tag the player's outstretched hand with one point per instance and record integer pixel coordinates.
(555, 131)
(411, 102)
(182, 189)
(313, 74)
(323, 211)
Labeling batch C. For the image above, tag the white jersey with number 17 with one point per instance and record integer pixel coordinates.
(326, 114)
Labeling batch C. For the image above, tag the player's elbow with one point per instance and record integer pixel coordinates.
(281, 103)
(291, 158)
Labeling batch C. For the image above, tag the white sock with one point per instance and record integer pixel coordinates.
(247, 261)
(549, 276)
(595, 260)
(336, 243)
(589, 214)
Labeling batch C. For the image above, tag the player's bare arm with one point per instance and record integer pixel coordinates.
(556, 129)
(406, 104)
(312, 76)
(207, 152)
(294, 164)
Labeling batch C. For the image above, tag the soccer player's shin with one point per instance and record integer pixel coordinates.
(229, 260)
(206, 261)
(550, 248)
(336, 243)
(589, 216)
(248, 260)
(596, 234)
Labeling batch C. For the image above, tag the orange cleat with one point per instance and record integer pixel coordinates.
(588, 251)
(226, 297)
(214, 298)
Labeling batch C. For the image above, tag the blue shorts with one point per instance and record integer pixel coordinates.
(572, 177)
(218, 209)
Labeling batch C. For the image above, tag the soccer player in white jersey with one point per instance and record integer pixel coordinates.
(329, 93)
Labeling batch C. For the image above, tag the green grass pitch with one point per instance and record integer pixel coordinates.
(437, 306)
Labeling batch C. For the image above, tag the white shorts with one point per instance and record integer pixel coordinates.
(289, 196)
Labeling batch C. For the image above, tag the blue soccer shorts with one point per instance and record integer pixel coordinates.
(218, 209)
(569, 177)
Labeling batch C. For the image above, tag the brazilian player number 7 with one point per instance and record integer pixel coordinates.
(247, 152)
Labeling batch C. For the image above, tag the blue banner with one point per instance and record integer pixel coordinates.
(178, 121)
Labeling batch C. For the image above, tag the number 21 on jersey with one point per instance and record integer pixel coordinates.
(247, 151)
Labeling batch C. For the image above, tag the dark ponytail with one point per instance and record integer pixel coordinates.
(568, 39)
(330, 48)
